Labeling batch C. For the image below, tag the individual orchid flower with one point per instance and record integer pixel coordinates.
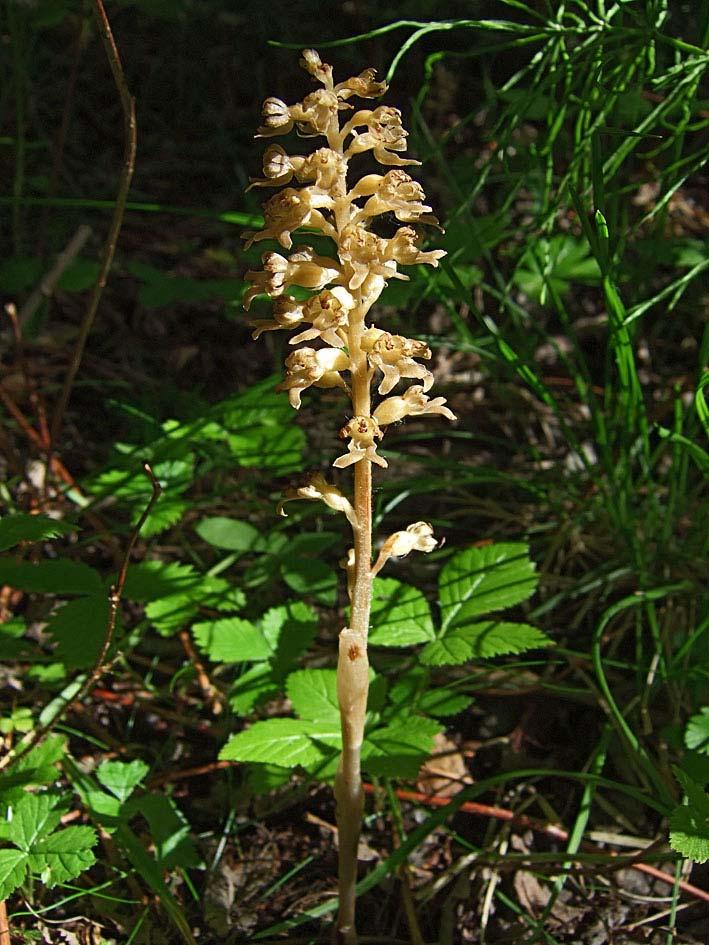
(394, 192)
(365, 254)
(362, 85)
(385, 134)
(304, 268)
(328, 314)
(362, 432)
(412, 403)
(416, 537)
(287, 314)
(307, 367)
(394, 356)
(323, 167)
(318, 488)
(402, 248)
(289, 210)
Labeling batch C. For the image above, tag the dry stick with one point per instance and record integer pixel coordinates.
(47, 285)
(114, 599)
(130, 137)
(4, 925)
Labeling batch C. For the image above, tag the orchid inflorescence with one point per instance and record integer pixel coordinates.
(351, 354)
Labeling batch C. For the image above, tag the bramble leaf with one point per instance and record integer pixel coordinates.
(482, 641)
(697, 734)
(400, 614)
(231, 640)
(313, 693)
(121, 778)
(22, 527)
(283, 742)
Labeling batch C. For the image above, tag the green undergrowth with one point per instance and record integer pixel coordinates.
(565, 323)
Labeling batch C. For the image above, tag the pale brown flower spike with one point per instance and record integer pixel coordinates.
(352, 355)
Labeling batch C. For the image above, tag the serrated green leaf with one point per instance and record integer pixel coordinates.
(79, 629)
(399, 749)
(231, 640)
(689, 834)
(150, 580)
(482, 641)
(442, 702)
(23, 527)
(289, 630)
(63, 855)
(483, 580)
(33, 816)
(51, 577)
(283, 742)
(13, 865)
(229, 534)
(253, 687)
(280, 452)
(697, 735)
(313, 693)
(121, 778)
(310, 577)
(400, 614)
(166, 512)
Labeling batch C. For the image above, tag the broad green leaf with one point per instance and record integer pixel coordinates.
(253, 687)
(480, 580)
(33, 816)
(284, 742)
(278, 451)
(169, 831)
(229, 534)
(169, 614)
(310, 577)
(289, 630)
(400, 614)
(79, 629)
(121, 778)
(697, 734)
(313, 693)
(23, 527)
(150, 580)
(63, 855)
(79, 275)
(13, 865)
(442, 702)
(231, 640)
(398, 750)
(51, 577)
(689, 823)
(482, 641)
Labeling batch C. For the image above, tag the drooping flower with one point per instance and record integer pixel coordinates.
(307, 367)
(323, 167)
(317, 487)
(289, 210)
(304, 268)
(328, 314)
(362, 433)
(412, 403)
(402, 248)
(384, 135)
(416, 537)
(394, 356)
(287, 314)
(394, 192)
(362, 85)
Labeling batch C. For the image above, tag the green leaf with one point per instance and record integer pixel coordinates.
(313, 693)
(556, 263)
(22, 527)
(51, 577)
(312, 578)
(442, 702)
(169, 829)
(63, 855)
(400, 614)
(253, 687)
(79, 628)
(167, 511)
(169, 614)
(278, 451)
(150, 580)
(482, 641)
(398, 750)
(289, 630)
(689, 823)
(283, 742)
(230, 534)
(121, 778)
(80, 274)
(231, 640)
(697, 734)
(480, 580)
(13, 866)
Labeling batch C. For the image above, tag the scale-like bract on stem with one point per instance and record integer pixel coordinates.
(351, 354)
